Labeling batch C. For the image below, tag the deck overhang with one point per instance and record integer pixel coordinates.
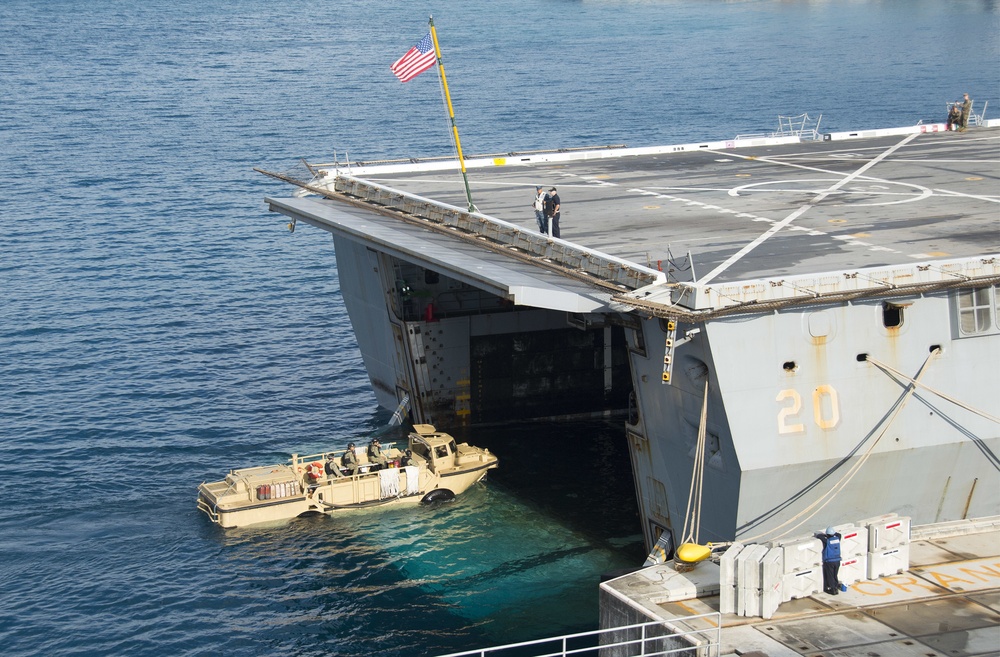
(520, 282)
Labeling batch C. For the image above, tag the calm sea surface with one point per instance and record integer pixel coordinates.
(158, 326)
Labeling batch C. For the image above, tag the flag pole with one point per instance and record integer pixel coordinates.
(451, 114)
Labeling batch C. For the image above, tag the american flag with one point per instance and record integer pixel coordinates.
(417, 59)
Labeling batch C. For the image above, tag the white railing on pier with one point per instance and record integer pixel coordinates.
(650, 639)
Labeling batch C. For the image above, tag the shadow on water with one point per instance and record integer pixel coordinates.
(578, 472)
(517, 557)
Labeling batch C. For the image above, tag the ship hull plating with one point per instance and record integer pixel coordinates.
(844, 319)
(810, 413)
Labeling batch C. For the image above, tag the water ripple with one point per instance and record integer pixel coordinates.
(158, 326)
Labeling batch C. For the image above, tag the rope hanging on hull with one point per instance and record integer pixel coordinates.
(690, 552)
(692, 516)
(817, 506)
(883, 366)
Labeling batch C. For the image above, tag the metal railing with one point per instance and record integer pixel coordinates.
(640, 640)
(598, 269)
(802, 126)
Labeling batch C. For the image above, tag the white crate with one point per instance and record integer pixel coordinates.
(748, 566)
(748, 580)
(727, 565)
(885, 534)
(853, 568)
(876, 519)
(802, 554)
(802, 583)
(771, 585)
(747, 601)
(772, 566)
(889, 562)
(853, 540)
(727, 599)
(771, 598)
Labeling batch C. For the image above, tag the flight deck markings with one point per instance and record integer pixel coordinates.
(736, 257)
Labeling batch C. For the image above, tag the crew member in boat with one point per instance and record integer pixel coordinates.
(332, 470)
(407, 459)
(375, 455)
(349, 461)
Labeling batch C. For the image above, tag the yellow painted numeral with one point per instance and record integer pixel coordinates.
(827, 416)
(789, 413)
(826, 409)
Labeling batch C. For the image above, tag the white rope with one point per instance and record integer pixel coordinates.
(828, 497)
(926, 387)
(692, 516)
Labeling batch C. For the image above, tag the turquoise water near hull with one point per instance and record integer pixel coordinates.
(158, 326)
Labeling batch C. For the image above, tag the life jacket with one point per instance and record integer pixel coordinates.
(831, 547)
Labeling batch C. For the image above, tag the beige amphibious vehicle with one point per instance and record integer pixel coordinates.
(432, 468)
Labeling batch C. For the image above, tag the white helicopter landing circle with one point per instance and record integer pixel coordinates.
(877, 190)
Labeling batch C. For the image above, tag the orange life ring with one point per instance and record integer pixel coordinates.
(315, 470)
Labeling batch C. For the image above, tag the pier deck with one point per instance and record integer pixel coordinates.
(946, 605)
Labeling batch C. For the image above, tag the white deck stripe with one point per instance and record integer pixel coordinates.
(799, 212)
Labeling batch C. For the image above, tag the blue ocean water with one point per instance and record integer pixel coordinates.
(158, 326)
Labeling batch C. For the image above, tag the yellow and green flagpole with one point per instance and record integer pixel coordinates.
(451, 115)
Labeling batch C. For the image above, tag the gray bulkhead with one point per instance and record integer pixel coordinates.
(795, 403)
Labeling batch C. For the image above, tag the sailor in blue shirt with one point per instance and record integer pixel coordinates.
(831, 561)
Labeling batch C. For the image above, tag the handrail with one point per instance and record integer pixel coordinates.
(322, 456)
(802, 126)
(647, 644)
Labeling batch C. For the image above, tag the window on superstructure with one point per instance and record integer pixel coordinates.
(892, 315)
(974, 310)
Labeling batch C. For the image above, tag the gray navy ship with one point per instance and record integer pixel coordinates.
(832, 302)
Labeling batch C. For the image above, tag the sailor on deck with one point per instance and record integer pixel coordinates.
(966, 111)
(954, 117)
(552, 212)
(831, 561)
(539, 205)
